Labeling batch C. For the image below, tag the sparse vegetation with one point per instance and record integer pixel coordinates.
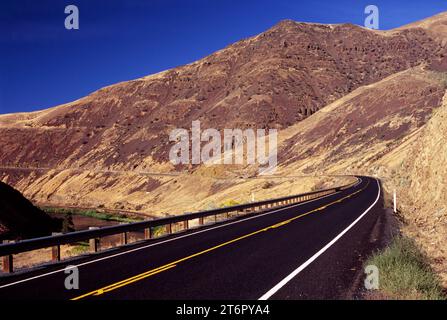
(93, 214)
(405, 273)
(67, 223)
(229, 203)
(318, 186)
(267, 185)
(157, 231)
(79, 249)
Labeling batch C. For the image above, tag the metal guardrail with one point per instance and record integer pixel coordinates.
(93, 235)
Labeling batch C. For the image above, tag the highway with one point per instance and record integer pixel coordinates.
(312, 250)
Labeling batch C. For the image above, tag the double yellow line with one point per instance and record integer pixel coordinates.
(173, 264)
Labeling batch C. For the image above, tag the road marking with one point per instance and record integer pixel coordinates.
(127, 281)
(283, 282)
(168, 266)
(164, 241)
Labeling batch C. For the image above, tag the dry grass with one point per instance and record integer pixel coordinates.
(404, 273)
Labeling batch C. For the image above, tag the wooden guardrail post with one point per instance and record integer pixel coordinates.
(169, 228)
(8, 261)
(201, 221)
(186, 224)
(124, 238)
(56, 250)
(95, 242)
(147, 233)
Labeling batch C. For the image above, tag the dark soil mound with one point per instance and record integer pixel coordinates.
(19, 219)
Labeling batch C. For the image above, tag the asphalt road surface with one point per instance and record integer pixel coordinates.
(312, 250)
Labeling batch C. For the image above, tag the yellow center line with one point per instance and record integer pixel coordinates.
(171, 265)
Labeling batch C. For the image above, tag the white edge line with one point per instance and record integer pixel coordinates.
(158, 243)
(284, 281)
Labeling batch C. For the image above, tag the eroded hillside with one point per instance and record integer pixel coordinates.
(346, 100)
(272, 80)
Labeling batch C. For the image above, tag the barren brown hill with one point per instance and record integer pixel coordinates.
(395, 130)
(112, 140)
(359, 130)
(274, 79)
(345, 99)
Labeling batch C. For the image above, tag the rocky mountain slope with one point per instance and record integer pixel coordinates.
(345, 100)
(111, 140)
(274, 80)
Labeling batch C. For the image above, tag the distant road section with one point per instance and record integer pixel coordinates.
(309, 250)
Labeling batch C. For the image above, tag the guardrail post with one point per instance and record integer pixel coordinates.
(169, 228)
(56, 250)
(201, 221)
(147, 233)
(124, 238)
(8, 261)
(94, 243)
(186, 225)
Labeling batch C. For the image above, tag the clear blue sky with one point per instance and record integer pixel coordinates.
(42, 64)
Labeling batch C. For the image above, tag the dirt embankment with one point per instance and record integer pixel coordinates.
(19, 219)
(421, 184)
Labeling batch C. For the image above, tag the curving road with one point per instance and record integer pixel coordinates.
(309, 250)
